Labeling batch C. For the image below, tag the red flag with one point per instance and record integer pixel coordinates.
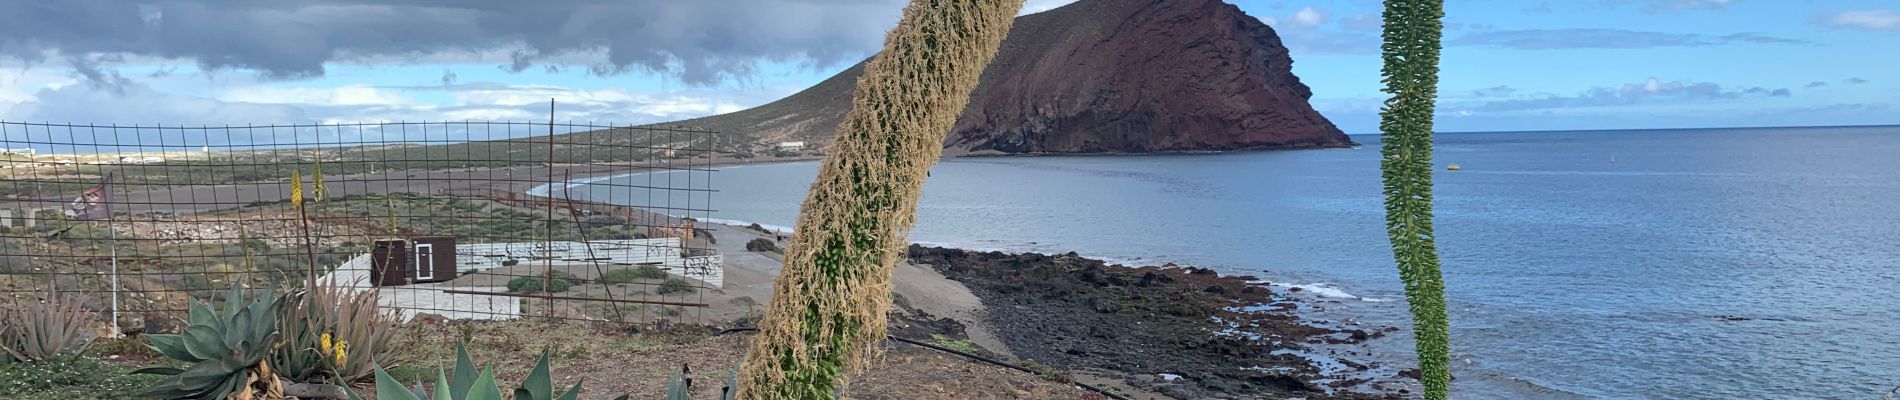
(93, 204)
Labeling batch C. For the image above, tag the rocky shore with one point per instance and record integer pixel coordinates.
(1186, 333)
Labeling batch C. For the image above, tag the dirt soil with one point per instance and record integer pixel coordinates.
(611, 362)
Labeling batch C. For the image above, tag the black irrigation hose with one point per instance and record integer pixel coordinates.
(992, 361)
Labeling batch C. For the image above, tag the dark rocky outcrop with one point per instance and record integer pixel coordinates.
(1101, 76)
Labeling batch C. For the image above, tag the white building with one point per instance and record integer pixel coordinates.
(791, 146)
(29, 152)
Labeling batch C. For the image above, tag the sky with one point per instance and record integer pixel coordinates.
(1508, 65)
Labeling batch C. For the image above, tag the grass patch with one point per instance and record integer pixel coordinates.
(532, 284)
(962, 345)
(629, 275)
(676, 285)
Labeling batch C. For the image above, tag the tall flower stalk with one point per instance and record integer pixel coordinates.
(1413, 31)
(829, 303)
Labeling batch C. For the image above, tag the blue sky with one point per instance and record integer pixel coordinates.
(1508, 64)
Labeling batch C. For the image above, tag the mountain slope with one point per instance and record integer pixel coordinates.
(1100, 76)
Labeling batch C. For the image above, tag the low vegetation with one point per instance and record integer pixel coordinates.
(963, 345)
(676, 286)
(78, 377)
(619, 276)
(533, 284)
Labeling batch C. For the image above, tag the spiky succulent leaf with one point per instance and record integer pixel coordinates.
(441, 386)
(172, 346)
(233, 301)
(387, 388)
(571, 393)
(204, 342)
(485, 387)
(538, 385)
(676, 387)
(464, 375)
(201, 314)
(157, 371)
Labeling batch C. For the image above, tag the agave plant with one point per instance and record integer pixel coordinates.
(468, 383)
(40, 331)
(225, 349)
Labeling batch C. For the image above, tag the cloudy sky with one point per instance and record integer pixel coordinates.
(1508, 64)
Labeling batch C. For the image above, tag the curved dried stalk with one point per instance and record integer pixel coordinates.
(828, 306)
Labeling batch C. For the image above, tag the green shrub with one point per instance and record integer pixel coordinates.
(531, 284)
(510, 262)
(617, 276)
(649, 272)
(676, 285)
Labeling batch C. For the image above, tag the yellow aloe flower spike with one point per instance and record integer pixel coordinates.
(296, 188)
(316, 184)
(323, 344)
(342, 352)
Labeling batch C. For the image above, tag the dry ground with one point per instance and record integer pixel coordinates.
(610, 363)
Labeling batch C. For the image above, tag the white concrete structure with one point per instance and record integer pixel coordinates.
(430, 297)
(791, 146)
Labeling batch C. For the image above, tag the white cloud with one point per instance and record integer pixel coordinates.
(1308, 17)
(351, 95)
(1879, 20)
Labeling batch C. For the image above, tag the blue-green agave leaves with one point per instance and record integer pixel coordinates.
(221, 347)
(468, 383)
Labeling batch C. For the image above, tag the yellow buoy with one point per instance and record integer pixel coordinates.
(1453, 167)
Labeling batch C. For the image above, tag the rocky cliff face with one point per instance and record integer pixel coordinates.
(1101, 76)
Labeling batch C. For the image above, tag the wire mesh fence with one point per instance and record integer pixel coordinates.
(476, 220)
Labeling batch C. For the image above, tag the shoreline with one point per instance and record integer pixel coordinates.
(1144, 329)
(1180, 331)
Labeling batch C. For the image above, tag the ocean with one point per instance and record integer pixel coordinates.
(1669, 264)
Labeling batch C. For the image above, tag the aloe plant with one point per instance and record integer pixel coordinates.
(334, 333)
(225, 349)
(468, 383)
(40, 331)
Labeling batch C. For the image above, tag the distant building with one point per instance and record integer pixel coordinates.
(29, 152)
(791, 146)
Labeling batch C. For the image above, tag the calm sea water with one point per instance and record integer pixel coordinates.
(1748, 263)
